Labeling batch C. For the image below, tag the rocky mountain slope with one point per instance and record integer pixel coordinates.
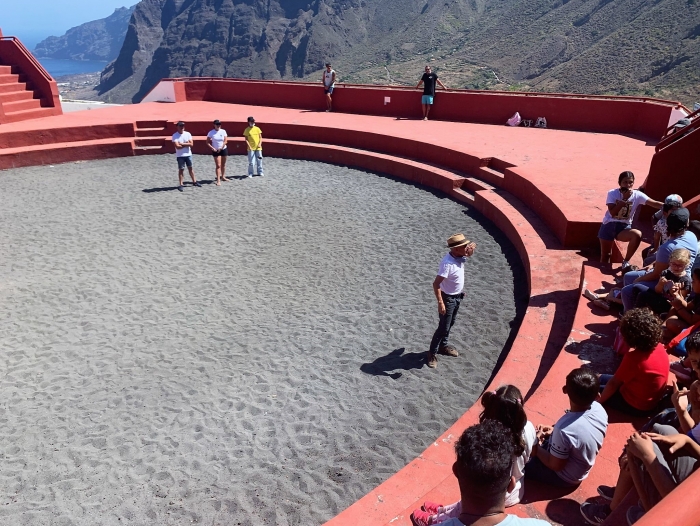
(97, 40)
(647, 47)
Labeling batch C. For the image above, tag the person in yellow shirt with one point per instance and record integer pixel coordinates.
(253, 138)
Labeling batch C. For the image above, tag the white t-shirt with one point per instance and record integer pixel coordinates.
(510, 520)
(183, 137)
(626, 213)
(577, 438)
(328, 78)
(217, 138)
(529, 438)
(452, 269)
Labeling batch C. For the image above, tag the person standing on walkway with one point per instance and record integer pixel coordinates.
(328, 80)
(217, 140)
(429, 79)
(253, 138)
(448, 288)
(183, 151)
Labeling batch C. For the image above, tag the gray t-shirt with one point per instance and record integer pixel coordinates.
(578, 437)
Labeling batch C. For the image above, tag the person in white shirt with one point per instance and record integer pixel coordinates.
(622, 203)
(183, 151)
(483, 469)
(217, 140)
(447, 287)
(328, 80)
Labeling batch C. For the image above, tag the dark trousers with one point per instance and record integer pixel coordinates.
(447, 320)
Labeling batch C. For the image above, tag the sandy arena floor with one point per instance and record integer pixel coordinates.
(249, 354)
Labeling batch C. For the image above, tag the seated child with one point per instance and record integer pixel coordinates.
(569, 449)
(640, 381)
(674, 283)
(682, 314)
(671, 202)
(505, 405)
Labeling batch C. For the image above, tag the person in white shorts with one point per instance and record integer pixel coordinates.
(328, 85)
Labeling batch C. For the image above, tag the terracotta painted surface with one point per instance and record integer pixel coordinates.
(562, 175)
(528, 182)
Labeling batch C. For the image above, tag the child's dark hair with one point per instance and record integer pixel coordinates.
(505, 404)
(692, 344)
(641, 329)
(623, 175)
(582, 386)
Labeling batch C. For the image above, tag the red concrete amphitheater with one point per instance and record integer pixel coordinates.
(544, 188)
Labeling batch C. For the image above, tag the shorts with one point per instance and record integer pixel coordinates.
(182, 161)
(222, 153)
(427, 99)
(610, 231)
(328, 90)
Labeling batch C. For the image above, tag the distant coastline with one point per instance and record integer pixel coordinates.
(61, 67)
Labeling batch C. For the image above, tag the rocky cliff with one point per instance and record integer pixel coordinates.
(586, 46)
(97, 40)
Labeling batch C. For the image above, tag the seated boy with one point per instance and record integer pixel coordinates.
(569, 449)
(485, 455)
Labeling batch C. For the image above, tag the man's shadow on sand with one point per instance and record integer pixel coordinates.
(396, 359)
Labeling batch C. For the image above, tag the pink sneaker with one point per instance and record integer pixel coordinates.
(421, 518)
(431, 507)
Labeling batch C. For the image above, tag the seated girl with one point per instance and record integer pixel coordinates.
(640, 381)
(505, 405)
(674, 283)
(684, 311)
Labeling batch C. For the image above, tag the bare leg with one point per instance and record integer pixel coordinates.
(636, 475)
(605, 249)
(180, 175)
(425, 112)
(223, 168)
(633, 239)
(217, 162)
(329, 102)
(622, 488)
(194, 179)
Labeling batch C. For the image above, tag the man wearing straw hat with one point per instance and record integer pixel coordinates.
(448, 287)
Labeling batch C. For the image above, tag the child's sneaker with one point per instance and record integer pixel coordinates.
(431, 507)
(607, 492)
(595, 513)
(421, 518)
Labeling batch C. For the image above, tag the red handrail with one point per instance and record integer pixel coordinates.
(29, 55)
(669, 137)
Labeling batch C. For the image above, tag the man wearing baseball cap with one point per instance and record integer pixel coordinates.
(672, 202)
(448, 288)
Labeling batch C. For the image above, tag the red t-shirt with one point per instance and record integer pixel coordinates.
(643, 377)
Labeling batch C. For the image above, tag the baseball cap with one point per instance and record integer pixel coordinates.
(677, 219)
(682, 123)
(674, 200)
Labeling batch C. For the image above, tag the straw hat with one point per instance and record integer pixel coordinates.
(457, 240)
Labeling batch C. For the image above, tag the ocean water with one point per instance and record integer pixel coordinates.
(59, 68)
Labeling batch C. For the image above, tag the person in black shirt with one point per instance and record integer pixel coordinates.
(429, 79)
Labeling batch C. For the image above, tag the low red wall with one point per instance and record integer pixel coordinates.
(13, 53)
(646, 118)
(675, 169)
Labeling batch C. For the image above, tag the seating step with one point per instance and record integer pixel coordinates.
(21, 105)
(13, 86)
(14, 96)
(151, 124)
(23, 115)
(5, 70)
(150, 132)
(9, 78)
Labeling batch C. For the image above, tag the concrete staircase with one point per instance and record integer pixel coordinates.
(18, 99)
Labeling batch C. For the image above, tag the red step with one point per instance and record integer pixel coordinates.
(5, 70)
(24, 115)
(151, 132)
(13, 86)
(9, 78)
(21, 105)
(13, 96)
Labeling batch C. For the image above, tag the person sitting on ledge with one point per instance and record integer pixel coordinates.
(640, 381)
(483, 469)
(622, 204)
(569, 449)
(504, 405)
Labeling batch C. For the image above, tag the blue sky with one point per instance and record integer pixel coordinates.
(36, 19)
